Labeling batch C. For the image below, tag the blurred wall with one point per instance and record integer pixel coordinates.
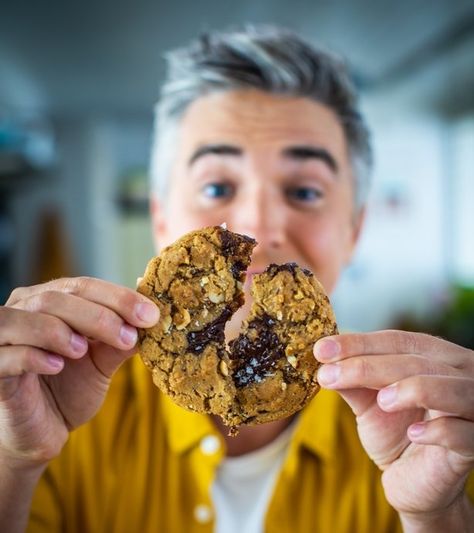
(417, 242)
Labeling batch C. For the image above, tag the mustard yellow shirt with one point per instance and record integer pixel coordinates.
(139, 466)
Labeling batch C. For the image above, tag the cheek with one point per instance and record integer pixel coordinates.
(181, 216)
(325, 245)
(318, 244)
(175, 219)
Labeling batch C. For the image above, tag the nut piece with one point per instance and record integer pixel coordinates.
(166, 323)
(216, 298)
(223, 368)
(289, 350)
(182, 319)
(292, 360)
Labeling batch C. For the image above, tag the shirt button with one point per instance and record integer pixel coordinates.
(210, 445)
(202, 513)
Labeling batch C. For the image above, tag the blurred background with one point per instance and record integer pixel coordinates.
(78, 81)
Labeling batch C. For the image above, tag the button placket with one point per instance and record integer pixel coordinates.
(210, 445)
(203, 513)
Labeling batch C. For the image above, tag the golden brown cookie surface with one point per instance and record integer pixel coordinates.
(269, 371)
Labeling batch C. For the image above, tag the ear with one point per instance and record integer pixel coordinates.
(158, 220)
(359, 219)
(357, 224)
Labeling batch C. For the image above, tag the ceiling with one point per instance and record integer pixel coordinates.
(106, 56)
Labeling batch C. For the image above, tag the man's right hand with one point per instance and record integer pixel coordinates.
(60, 343)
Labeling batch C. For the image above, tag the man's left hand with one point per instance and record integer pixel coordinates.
(413, 396)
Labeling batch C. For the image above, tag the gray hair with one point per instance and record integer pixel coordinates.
(258, 57)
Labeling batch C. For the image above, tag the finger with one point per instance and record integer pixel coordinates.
(132, 306)
(338, 347)
(440, 393)
(19, 327)
(377, 371)
(17, 360)
(86, 317)
(450, 432)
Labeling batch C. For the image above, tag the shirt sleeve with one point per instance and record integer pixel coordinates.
(470, 486)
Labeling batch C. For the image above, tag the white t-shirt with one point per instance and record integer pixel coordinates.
(243, 486)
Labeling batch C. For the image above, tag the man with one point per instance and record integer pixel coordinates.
(260, 131)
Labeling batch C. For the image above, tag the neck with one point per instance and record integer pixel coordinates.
(251, 438)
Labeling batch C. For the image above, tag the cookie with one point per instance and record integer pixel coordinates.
(269, 371)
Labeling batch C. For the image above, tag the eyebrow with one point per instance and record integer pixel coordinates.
(304, 152)
(300, 153)
(216, 149)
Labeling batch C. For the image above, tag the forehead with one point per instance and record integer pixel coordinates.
(256, 120)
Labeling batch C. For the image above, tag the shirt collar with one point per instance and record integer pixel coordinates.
(185, 428)
(316, 429)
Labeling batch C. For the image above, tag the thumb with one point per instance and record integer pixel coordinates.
(108, 359)
(359, 400)
(363, 403)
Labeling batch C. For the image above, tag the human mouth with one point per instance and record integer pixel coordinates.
(254, 271)
(251, 273)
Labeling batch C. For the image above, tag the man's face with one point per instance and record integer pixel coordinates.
(275, 168)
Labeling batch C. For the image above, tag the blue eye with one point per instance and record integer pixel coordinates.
(304, 194)
(217, 190)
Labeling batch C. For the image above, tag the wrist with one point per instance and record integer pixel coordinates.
(459, 517)
(15, 469)
(17, 485)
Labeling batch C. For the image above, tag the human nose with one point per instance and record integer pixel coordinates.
(261, 215)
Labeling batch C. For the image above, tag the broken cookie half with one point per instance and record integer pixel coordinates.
(269, 371)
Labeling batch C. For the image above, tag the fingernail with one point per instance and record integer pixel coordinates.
(55, 362)
(415, 430)
(388, 396)
(147, 312)
(128, 335)
(329, 374)
(327, 349)
(78, 343)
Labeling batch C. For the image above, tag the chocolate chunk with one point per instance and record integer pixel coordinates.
(255, 358)
(214, 331)
(289, 267)
(235, 245)
(237, 268)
